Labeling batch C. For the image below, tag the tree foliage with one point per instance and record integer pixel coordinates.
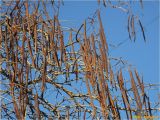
(46, 75)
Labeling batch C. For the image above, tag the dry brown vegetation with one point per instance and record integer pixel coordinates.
(47, 77)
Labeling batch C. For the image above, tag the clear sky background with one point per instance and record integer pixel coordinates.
(143, 56)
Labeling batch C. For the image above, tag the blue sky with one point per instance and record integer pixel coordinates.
(143, 56)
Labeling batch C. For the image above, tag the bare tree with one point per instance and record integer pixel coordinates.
(47, 77)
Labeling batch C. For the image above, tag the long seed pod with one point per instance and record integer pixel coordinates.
(142, 29)
(37, 106)
(16, 110)
(133, 27)
(0, 37)
(104, 44)
(111, 75)
(102, 89)
(44, 71)
(140, 83)
(111, 102)
(30, 52)
(124, 94)
(91, 98)
(128, 27)
(35, 36)
(117, 108)
(94, 48)
(135, 91)
(102, 34)
(141, 2)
